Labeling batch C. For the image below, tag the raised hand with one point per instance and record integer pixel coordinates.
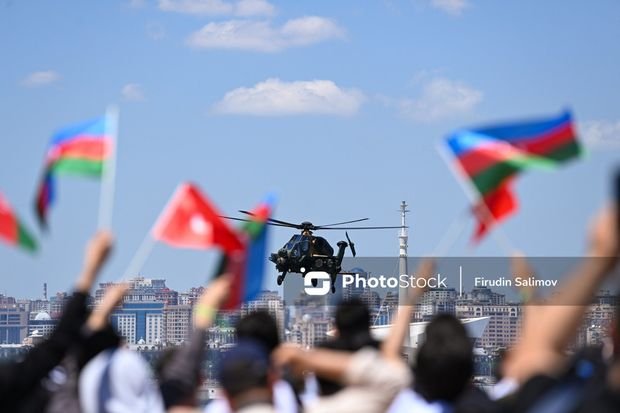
(211, 300)
(112, 297)
(97, 252)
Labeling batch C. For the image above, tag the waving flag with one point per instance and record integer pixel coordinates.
(190, 220)
(248, 268)
(12, 231)
(491, 157)
(81, 150)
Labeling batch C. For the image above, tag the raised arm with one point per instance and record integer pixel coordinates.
(18, 379)
(180, 377)
(546, 336)
(392, 346)
(334, 365)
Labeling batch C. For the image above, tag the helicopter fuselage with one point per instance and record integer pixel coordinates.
(305, 253)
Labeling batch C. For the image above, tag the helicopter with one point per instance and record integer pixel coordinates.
(305, 252)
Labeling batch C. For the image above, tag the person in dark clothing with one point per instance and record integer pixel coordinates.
(18, 380)
(179, 370)
(97, 336)
(259, 326)
(444, 362)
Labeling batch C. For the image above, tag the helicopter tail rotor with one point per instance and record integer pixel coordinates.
(351, 244)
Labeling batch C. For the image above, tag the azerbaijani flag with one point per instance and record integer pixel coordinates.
(492, 156)
(12, 231)
(248, 268)
(81, 149)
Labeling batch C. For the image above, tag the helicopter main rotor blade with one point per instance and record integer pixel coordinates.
(236, 219)
(277, 221)
(342, 223)
(249, 220)
(348, 228)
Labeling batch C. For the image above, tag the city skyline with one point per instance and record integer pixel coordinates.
(381, 85)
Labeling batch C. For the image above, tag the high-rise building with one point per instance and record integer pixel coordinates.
(177, 323)
(437, 301)
(271, 302)
(13, 324)
(137, 321)
(504, 324)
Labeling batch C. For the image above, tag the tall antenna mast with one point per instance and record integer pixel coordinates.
(403, 237)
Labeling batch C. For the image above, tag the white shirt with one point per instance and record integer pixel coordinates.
(371, 381)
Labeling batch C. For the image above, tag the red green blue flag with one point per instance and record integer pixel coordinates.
(248, 267)
(80, 150)
(491, 157)
(12, 231)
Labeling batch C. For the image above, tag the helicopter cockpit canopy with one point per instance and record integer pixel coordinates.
(321, 247)
(300, 245)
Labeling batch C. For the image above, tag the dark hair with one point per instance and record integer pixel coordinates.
(444, 362)
(353, 323)
(175, 392)
(259, 326)
(243, 368)
(352, 317)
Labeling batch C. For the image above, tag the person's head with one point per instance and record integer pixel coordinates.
(245, 375)
(444, 362)
(174, 392)
(118, 380)
(352, 317)
(259, 326)
(353, 324)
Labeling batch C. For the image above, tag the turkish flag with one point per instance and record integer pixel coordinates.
(190, 220)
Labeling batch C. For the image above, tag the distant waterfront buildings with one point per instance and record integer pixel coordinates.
(154, 316)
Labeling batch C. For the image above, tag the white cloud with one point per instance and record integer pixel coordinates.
(43, 78)
(274, 97)
(454, 7)
(261, 36)
(132, 92)
(601, 133)
(243, 8)
(441, 98)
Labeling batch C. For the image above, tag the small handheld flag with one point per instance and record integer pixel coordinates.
(80, 150)
(248, 269)
(12, 231)
(190, 220)
(491, 157)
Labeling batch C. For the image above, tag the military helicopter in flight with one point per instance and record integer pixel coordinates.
(306, 252)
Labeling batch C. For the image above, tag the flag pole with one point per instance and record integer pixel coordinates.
(147, 244)
(453, 232)
(139, 258)
(498, 235)
(108, 183)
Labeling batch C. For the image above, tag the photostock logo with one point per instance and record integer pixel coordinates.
(323, 283)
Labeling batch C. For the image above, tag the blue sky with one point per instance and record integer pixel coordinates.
(337, 106)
